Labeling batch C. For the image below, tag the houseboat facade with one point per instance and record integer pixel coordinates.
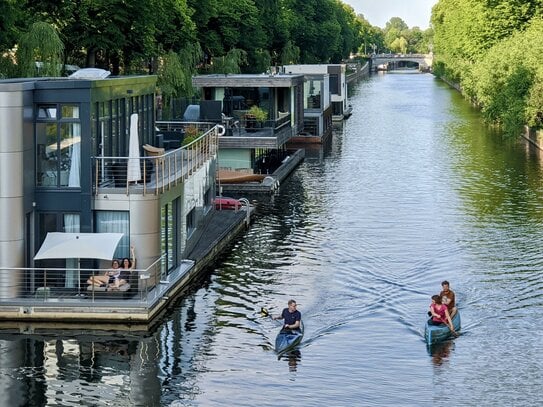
(317, 111)
(71, 161)
(341, 109)
(260, 113)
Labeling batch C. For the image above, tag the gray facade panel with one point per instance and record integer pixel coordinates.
(12, 220)
(11, 129)
(11, 176)
(10, 99)
(10, 282)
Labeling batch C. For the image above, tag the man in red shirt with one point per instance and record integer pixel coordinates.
(448, 298)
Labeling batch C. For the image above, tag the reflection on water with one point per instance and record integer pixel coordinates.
(413, 189)
(293, 358)
(441, 352)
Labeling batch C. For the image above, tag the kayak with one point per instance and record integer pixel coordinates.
(438, 333)
(287, 339)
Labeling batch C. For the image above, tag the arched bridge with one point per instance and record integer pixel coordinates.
(392, 61)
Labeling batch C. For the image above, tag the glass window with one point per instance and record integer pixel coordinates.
(60, 222)
(70, 112)
(115, 222)
(70, 155)
(71, 224)
(47, 112)
(47, 155)
(334, 84)
(58, 151)
(312, 89)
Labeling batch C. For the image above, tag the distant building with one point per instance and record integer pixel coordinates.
(253, 145)
(337, 86)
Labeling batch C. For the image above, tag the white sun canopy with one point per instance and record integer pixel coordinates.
(58, 245)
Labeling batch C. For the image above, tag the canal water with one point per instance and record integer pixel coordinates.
(413, 189)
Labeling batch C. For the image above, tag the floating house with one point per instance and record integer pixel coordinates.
(317, 111)
(337, 85)
(79, 156)
(260, 114)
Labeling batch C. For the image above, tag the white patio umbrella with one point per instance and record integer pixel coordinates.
(58, 245)
(133, 173)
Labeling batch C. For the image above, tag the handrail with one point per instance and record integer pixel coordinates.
(245, 201)
(158, 172)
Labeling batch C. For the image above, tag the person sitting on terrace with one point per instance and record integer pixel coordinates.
(104, 279)
(127, 266)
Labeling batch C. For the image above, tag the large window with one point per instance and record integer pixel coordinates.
(115, 222)
(111, 122)
(58, 146)
(312, 89)
(59, 222)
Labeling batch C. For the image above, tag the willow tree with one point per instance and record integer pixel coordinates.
(175, 72)
(290, 54)
(42, 45)
(231, 62)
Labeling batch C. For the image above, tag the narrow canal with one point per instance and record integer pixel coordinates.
(412, 190)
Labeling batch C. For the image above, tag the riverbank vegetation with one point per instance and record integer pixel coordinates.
(176, 39)
(492, 49)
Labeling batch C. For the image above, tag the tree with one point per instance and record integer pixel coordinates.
(507, 81)
(232, 62)
(124, 36)
(42, 45)
(176, 71)
(12, 25)
(290, 54)
(394, 29)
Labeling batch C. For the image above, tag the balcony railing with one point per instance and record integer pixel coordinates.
(34, 286)
(158, 171)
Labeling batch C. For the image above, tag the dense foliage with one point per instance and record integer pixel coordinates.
(178, 38)
(493, 49)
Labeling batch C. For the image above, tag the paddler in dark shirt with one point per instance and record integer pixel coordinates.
(291, 316)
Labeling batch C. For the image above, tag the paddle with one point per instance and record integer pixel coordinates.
(264, 312)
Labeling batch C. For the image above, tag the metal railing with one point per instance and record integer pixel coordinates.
(34, 286)
(158, 172)
(176, 125)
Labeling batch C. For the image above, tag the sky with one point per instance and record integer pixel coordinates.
(378, 12)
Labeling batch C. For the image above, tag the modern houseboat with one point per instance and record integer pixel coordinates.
(317, 111)
(260, 114)
(79, 156)
(337, 85)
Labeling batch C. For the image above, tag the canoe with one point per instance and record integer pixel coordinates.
(287, 339)
(438, 333)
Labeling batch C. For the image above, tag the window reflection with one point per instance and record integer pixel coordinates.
(47, 112)
(58, 147)
(70, 111)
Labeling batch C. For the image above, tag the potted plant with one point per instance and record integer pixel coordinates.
(255, 117)
(191, 134)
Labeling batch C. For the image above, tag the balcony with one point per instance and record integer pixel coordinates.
(159, 171)
(64, 294)
(242, 132)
